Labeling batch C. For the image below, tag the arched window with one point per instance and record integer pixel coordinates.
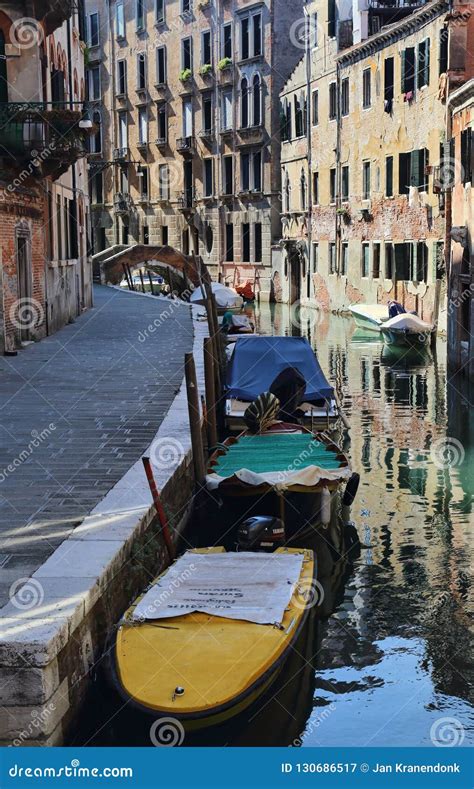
(257, 101)
(244, 103)
(303, 190)
(96, 139)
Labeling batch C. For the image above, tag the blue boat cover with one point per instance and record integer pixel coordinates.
(256, 362)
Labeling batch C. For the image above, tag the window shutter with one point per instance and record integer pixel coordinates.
(427, 61)
(403, 64)
(415, 168)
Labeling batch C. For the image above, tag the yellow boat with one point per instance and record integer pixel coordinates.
(202, 669)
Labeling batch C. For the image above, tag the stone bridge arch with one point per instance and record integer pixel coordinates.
(110, 262)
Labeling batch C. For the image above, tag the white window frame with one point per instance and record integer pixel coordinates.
(250, 15)
(191, 54)
(140, 27)
(123, 127)
(89, 29)
(203, 33)
(142, 127)
(164, 184)
(94, 70)
(226, 93)
(119, 62)
(142, 58)
(161, 48)
(120, 19)
(229, 25)
(204, 182)
(160, 20)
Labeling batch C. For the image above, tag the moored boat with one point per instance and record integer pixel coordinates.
(407, 329)
(286, 471)
(370, 316)
(257, 361)
(211, 635)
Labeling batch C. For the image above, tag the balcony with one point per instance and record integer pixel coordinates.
(206, 134)
(42, 138)
(186, 200)
(52, 13)
(249, 135)
(161, 142)
(122, 203)
(186, 146)
(121, 154)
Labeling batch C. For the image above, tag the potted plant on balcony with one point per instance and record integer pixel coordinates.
(185, 75)
(224, 64)
(205, 70)
(344, 213)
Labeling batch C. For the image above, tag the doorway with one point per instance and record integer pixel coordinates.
(24, 284)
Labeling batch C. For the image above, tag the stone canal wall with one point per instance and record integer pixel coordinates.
(50, 653)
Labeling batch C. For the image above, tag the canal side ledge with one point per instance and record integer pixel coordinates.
(48, 654)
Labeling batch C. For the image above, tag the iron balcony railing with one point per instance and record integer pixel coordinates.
(120, 154)
(185, 145)
(122, 203)
(187, 199)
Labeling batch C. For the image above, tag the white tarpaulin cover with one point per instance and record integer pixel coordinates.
(256, 587)
(282, 480)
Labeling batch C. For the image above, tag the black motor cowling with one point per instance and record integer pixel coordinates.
(261, 533)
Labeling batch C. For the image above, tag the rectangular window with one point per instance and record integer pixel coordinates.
(366, 180)
(207, 113)
(388, 83)
(299, 102)
(186, 54)
(185, 6)
(143, 181)
(345, 96)
(315, 257)
(389, 176)
(141, 71)
(94, 30)
(59, 235)
(208, 178)
(316, 188)
(315, 108)
(146, 234)
(332, 184)
(67, 251)
(402, 259)
(94, 83)
(332, 101)
(206, 52)
(423, 63)
(226, 99)
(375, 260)
(228, 175)
(245, 37)
(404, 173)
(258, 242)
(257, 171)
(408, 70)
(164, 235)
(345, 183)
(443, 50)
(97, 188)
(159, 11)
(365, 260)
(142, 126)
(388, 260)
(245, 172)
(140, 15)
(313, 30)
(122, 77)
(229, 242)
(164, 181)
(245, 242)
(332, 18)
(187, 117)
(344, 258)
(162, 120)
(123, 131)
(366, 88)
(332, 258)
(227, 41)
(120, 20)
(257, 34)
(161, 66)
(467, 156)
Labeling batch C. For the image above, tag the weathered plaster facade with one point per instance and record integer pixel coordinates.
(46, 277)
(370, 224)
(230, 219)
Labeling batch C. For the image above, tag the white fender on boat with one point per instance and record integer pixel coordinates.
(325, 507)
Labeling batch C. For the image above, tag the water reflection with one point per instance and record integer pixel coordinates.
(397, 654)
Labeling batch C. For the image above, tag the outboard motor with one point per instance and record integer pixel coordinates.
(262, 533)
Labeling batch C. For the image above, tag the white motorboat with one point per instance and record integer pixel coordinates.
(407, 329)
(370, 316)
(226, 298)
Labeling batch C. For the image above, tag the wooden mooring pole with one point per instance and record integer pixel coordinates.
(210, 380)
(194, 418)
(160, 510)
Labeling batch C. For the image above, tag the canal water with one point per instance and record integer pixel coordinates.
(391, 661)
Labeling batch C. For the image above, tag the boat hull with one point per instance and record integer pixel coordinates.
(225, 664)
(406, 338)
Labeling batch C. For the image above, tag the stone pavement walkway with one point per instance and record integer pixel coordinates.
(76, 411)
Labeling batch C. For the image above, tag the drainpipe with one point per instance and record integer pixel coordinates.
(309, 209)
(337, 218)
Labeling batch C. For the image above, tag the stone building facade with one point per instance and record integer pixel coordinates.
(364, 212)
(187, 95)
(461, 232)
(46, 276)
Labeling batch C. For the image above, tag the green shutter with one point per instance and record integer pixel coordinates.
(427, 61)
(414, 168)
(404, 58)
